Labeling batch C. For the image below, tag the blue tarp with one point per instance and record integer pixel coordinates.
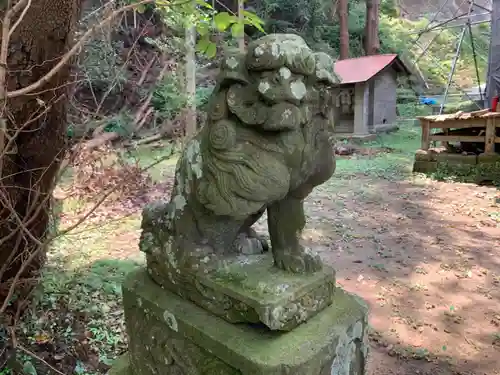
(428, 101)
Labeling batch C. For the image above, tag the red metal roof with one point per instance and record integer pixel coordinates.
(361, 69)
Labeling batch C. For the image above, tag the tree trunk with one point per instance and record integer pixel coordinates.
(27, 178)
(190, 81)
(372, 43)
(342, 10)
(241, 18)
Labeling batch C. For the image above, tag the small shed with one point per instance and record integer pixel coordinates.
(366, 102)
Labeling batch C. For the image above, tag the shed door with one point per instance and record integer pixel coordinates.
(345, 111)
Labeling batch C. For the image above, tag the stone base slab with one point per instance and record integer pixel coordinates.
(488, 158)
(171, 336)
(421, 166)
(249, 289)
(451, 158)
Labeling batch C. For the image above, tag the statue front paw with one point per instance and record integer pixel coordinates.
(301, 260)
(250, 244)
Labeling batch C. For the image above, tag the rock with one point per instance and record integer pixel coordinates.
(344, 149)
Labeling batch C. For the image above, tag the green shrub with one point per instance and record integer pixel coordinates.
(101, 66)
(468, 173)
(121, 123)
(412, 110)
(202, 95)
(406, 95)
(389, 8)
(169, 98)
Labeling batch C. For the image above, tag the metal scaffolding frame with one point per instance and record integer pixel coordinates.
(493, 75)
(466, 29)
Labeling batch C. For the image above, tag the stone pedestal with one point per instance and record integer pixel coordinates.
(169, 335)
(250, 289)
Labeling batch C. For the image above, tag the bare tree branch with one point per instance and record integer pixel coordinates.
(25, 10)
(73, 51)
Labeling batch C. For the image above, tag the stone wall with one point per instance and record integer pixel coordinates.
(469, 168)
(385, 99)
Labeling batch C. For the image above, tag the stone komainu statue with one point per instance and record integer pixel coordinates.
(265, 147)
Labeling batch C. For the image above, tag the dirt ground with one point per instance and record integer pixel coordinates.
(426, 257)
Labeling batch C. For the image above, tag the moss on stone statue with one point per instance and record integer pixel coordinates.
(264, 148)
(250, 289)
(121, 366)
(255, 277)
(165, 330)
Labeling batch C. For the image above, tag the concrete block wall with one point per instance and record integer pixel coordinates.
(385, 92)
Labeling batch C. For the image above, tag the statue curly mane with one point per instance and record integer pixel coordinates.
(239, 180)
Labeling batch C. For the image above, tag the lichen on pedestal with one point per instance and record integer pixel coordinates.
(249, 289)
(171, 336)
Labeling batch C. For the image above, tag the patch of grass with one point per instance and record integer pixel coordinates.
(163, 160)
(78, 315)
(393, 165)
(390, 166)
